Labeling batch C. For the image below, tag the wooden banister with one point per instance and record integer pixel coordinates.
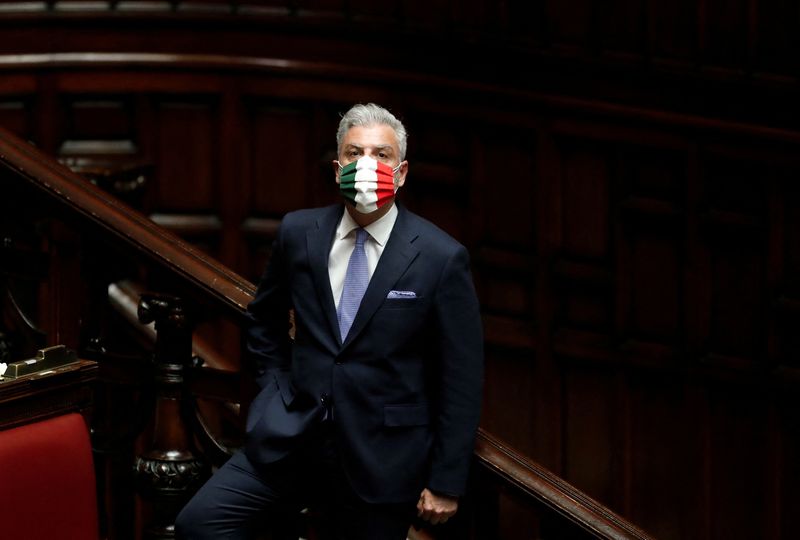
(531, 479)
(103, 212)
(230, 293)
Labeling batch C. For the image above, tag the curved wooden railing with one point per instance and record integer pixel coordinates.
(97, 209)
(25, 171)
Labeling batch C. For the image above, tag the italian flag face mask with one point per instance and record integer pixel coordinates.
(367, 183)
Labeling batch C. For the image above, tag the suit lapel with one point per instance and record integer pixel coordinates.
(319, 243)
(398, 254)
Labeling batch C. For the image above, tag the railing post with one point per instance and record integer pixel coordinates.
(169, 472)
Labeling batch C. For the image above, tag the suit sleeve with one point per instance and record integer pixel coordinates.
(267, 326)
(460, 376)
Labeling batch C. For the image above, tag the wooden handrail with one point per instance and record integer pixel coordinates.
(90, 204)
(537, 482)
(232, 293)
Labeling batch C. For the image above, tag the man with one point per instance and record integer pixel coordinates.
(369, 414)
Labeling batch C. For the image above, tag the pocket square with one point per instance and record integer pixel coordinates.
(404, 295)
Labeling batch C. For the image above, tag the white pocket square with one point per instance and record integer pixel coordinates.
(404, 295)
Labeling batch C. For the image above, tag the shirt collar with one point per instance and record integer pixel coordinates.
(379, 230)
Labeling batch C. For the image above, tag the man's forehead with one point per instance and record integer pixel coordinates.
(374, 136)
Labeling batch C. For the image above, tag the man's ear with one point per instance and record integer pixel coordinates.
(335, 164)
(401, 174)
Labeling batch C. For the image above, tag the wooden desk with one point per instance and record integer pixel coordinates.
(36, 397)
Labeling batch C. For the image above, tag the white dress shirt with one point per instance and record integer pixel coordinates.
(345, 240)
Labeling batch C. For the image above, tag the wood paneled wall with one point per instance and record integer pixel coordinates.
(627, 190)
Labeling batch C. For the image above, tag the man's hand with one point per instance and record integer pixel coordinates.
(436, 508)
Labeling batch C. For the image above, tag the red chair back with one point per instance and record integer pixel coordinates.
(47, 481)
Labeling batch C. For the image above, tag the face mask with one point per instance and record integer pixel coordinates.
(367, 183)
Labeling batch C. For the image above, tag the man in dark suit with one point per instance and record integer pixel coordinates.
(369, 414)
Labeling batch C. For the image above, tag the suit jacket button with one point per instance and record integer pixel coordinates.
(338, 362)
(324, 400)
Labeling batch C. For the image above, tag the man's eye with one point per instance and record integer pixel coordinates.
(353, 153)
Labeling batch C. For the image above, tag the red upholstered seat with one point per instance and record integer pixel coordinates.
(47, 482)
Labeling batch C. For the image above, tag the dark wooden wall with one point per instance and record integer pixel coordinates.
(624, 174)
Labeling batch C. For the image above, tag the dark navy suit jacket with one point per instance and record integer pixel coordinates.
(405, 386)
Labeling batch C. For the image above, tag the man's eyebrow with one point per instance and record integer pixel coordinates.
(383, 147)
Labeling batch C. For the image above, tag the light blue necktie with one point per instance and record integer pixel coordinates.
(355, 284)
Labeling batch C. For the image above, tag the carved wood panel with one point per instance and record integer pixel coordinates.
(186, 141)
(283, 178)
(592, 421)
(665, 440)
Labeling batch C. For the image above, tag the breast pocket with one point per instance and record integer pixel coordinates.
(403, 303)
(396, 323)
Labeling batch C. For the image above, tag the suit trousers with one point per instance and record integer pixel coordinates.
(242, 499)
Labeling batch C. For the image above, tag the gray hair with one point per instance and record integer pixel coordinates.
(369, 115)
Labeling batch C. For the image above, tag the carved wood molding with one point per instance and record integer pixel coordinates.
(367, 74)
